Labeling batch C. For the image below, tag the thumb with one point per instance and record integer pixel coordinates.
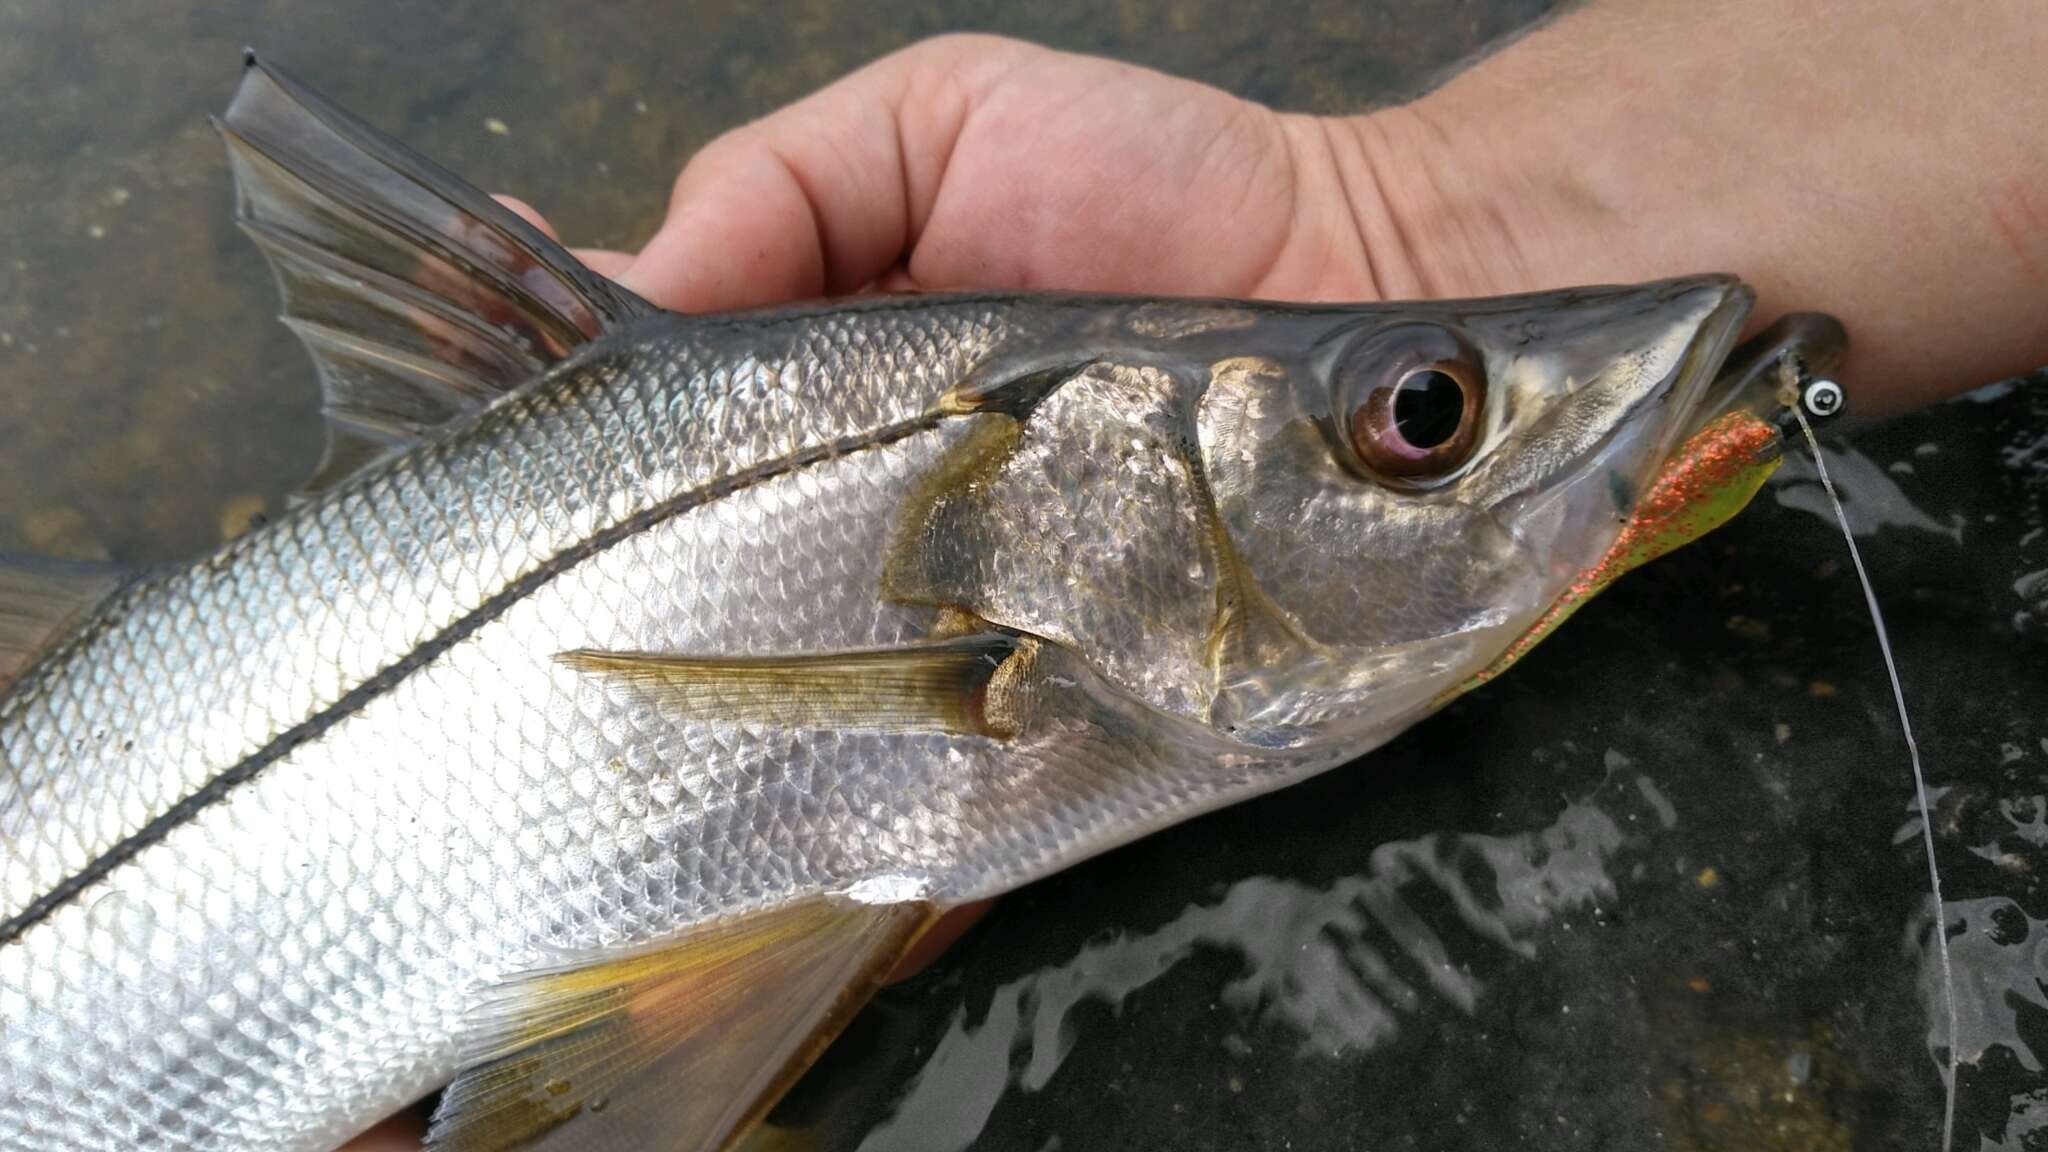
(602, 261)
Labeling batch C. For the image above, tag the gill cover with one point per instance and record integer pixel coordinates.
(1293, 522)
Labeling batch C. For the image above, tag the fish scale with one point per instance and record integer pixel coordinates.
(492, 883)
(232, 654)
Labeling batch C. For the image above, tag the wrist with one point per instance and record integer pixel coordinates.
(1609, 147)
(1453, 202)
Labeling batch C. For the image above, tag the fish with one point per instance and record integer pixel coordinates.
(628, 692)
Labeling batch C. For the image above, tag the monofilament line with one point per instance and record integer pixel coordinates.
(1884, 644)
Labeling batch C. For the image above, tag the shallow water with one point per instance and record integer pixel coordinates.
(1661, 887)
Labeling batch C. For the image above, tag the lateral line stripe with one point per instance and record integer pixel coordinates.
(357, 698)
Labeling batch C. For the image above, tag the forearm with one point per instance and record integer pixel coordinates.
(1886, 161)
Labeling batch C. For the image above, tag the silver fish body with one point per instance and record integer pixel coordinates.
(272, 825)
(437, 797)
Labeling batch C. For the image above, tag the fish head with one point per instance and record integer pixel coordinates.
(1409, 496)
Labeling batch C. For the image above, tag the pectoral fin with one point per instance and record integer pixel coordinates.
(969, 685)
(680, 1047)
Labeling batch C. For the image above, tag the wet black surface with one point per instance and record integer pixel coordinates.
(1660, 887)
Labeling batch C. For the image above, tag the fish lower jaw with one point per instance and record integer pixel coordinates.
(1700, 487)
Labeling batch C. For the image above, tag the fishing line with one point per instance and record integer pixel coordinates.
(1884, 644)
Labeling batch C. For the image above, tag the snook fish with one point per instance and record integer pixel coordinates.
(630, 690)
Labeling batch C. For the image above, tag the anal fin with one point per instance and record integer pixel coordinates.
(42, 600)
(679, 1047)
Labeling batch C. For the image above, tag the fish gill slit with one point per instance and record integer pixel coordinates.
(493, 607)
(1891, 668)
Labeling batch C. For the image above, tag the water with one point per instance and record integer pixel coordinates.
(1662, 886)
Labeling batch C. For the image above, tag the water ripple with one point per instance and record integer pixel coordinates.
(1339, 965)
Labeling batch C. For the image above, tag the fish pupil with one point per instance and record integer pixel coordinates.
(1428, 406)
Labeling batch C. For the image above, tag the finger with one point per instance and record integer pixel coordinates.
(528, 213)
(896, 279)
(604, 261)
(826, 194)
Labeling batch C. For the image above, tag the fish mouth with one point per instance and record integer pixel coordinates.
(1733, 395)
(1765, 374)
(1707, 313)
(1721, 441)
(1700, 388)
(1722, 384)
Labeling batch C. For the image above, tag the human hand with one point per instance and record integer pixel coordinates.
(1878, 159)
(978, 162)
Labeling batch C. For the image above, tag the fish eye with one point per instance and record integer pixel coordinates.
(1412, 401)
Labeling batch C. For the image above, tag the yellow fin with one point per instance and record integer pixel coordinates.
(679, 1047)
(940, 686)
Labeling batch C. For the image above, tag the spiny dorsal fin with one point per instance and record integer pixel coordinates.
(679, 1047)
(42, 600)
(419, 297)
